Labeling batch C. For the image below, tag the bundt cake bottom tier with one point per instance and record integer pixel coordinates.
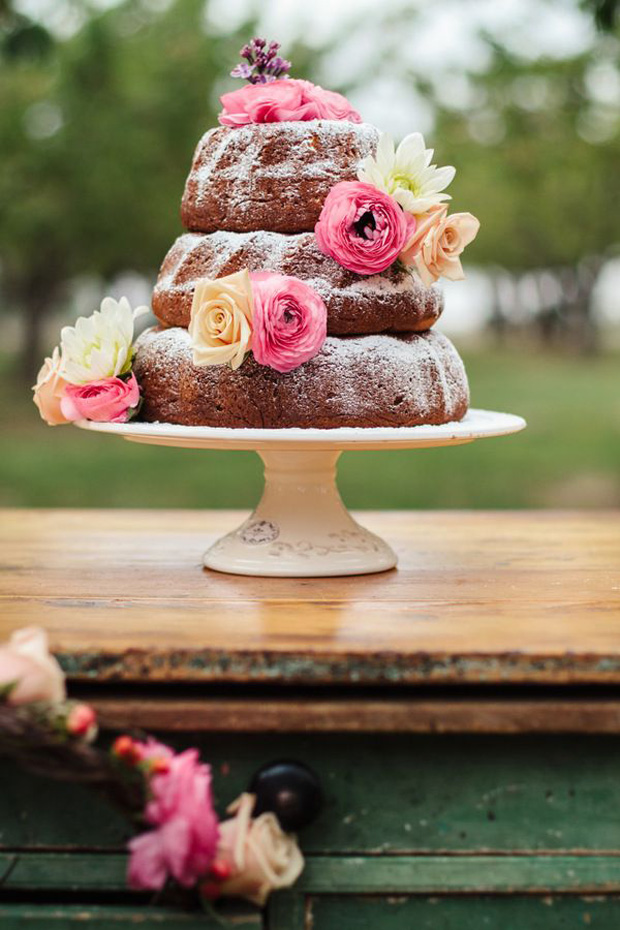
(365, 381)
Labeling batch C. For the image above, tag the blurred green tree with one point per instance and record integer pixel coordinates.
(537, 150)
(97, 131)
(96, 137)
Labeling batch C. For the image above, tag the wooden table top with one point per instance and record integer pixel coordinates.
(479, 597)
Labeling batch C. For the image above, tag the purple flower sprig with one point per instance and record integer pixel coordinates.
(261, 64)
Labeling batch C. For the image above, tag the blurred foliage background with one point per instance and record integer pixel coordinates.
(101, 105)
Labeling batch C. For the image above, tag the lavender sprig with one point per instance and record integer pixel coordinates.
(262, 63)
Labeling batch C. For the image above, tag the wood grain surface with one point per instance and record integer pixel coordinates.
(294, 714)
(478, 597)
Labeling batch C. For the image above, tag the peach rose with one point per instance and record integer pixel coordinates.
(259, 855)
(437, 243)
(28, 670)
(221, 320)
(49, 389)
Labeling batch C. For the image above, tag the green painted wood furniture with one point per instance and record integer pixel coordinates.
(463, 714)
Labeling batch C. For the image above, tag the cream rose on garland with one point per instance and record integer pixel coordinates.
(255, 854)
(406, 173)
(221, 320)
(99, 346)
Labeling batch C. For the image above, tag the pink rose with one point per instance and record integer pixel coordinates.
(331, 105)
(362, 228)
(108, 400)
(185, 837)
(283, 101)
(49, 390)
(437, 243)
(27, 670)
(289, 320)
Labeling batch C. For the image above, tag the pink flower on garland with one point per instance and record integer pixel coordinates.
(108, 400)
(184, 841)
(362, 228)
(282, 101)
(289, 320)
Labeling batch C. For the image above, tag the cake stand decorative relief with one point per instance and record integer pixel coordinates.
(301, 527)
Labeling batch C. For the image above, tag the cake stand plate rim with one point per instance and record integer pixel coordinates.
(476, 424)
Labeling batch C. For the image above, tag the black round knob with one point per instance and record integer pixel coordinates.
(291, 790)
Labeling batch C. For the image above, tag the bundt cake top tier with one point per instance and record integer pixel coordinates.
(272, 176)
(394, 301)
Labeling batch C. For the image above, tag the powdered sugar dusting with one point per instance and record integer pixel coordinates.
(237, 154)
(394, 300)
(354, 381)
(271, 175)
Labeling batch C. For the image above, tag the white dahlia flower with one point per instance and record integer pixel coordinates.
(406, 173)
(100, 345)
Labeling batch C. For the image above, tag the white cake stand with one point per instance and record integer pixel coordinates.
(301, 528)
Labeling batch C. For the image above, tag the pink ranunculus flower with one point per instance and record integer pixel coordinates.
(330, 104)
(28, 670)
(362, 228)
(108, 400)
(289, 320)
(185, 835)
(284, 101)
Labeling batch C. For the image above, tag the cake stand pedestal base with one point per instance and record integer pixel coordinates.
(300, 528)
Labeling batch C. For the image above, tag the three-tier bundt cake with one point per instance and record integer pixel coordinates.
(301, 293)
(295, 187)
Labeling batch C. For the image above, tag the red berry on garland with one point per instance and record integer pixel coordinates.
(220, 870)
(158, 766)
(81, 720)
(126, 749)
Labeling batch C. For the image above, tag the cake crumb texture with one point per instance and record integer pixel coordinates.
(272, 176)
(395, 301)
(359, 381)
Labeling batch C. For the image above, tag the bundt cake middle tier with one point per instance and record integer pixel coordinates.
(395, 301)
(271, 175)
(360, 381)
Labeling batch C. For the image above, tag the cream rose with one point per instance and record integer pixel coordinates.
(438, 242)
(221, 320)
(28, 671)
(260, 855)
(49, 390)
